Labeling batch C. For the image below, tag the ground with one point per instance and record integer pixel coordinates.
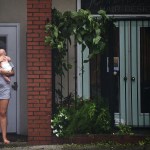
(20, 143)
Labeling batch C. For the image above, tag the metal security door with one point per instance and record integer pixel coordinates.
(134, 73)
(8, 41)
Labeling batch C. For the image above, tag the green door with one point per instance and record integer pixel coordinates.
(133, 73)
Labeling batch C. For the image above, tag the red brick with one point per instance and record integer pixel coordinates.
(33, 93)
(34, 133)
(45, 134)
(40, 138)
(29, 15)
(33, 109)
(33, 101)
(30, 113)
(33, 126)
(30, 138)
(33, 76)
(39, 89)
(33, 68)
(45, 109)
(46, 126)
(39, 72)
(33, 19)
(40, 113)
(39, 105)
(33, 118)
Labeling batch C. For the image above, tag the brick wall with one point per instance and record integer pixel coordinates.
(39, 73)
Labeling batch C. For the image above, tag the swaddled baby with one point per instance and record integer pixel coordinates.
(4, 64)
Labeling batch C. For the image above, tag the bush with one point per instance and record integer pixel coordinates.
(88, 117)
(60, 122)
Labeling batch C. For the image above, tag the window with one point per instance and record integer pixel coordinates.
(3, 42)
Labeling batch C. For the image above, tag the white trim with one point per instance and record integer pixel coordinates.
(78, 4)
(18, 78)
(17, 25)
(83, 74)
(132, 16)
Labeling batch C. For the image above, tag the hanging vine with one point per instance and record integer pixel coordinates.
(87, 30)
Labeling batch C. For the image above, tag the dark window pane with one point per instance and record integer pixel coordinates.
(99, 74)
(3, 42)
(117, 6)
(116, 70)
(145, 69)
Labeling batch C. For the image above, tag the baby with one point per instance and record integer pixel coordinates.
(4, 64)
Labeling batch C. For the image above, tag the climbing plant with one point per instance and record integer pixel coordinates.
(87, 30)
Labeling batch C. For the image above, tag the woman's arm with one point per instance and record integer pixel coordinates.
(7, 73)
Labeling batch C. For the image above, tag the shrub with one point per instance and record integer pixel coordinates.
(60, 122)
(87, 118)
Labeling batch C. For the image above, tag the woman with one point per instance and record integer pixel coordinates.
(4, 99)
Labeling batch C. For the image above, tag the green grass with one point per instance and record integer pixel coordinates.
(106, 146)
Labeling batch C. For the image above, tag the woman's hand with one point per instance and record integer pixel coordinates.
(6, 73)
(1, 58)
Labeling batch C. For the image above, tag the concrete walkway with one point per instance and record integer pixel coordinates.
(24, 146)
(54, 147)
(72, 147)
(44, 147)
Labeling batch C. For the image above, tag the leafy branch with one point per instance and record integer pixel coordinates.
(87, 30)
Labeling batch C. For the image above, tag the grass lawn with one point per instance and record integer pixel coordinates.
(106, 146)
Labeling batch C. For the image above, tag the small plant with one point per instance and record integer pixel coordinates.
(86, 118)
(60, 122)
(82, 118)
(146, 141)
(89, 118)
(103, 121)
(124, 129)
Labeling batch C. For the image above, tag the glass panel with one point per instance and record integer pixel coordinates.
(99, 78)
(3, 42)
(95, 77)
(117, 6)
(145, 68)
(116, 69)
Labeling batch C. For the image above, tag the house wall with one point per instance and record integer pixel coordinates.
(39, 73)
(64, 5)
(14, 11)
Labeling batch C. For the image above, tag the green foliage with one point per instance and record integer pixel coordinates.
(87, 30)
(60, 122)
(103, 121)
(87, 118)
(124, 129)
(146, 141)
(81, 119)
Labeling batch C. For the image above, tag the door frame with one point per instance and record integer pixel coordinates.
(17, 25)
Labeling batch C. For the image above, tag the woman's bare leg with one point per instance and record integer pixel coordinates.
(3, 119)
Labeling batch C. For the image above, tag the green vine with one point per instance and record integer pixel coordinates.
(87, 30)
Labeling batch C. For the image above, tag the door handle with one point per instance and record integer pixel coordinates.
(132, 78)
(15, 86)
(125, 78)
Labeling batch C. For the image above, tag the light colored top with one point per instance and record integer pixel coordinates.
(5, 87)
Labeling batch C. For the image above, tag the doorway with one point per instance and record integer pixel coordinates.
(132, 74)
(9, 40)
